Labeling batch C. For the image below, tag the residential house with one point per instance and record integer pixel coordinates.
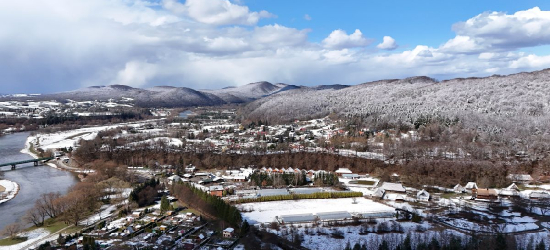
(511, 190)
(342, 171)
(520, 178)
(229, 232)
(471, 187)
(539, 195)
(486, 193)
(423, 195)
(216, 190)
(173, 179)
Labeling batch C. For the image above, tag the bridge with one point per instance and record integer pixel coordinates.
(35, 161)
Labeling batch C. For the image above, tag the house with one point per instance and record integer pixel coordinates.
(216, 190)
(471, 187)
(190, 169)
(488, 194)
(393, 187)
(459, 189)
(239, 178)
(378, 193)
(538, 195)
(228, 232)
(511, 190)
(520, 178)
(173, 179)
(423, 195)
(342, 171)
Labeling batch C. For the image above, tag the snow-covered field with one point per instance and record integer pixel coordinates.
(11, 189)
(265, 212)
(70, 138)
(32, 236)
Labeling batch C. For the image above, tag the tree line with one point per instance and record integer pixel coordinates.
(318, 195)
(209, 205)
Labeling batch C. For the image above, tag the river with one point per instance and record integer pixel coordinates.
(33, 181)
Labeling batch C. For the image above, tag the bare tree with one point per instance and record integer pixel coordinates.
(11, 230)
(33, 216)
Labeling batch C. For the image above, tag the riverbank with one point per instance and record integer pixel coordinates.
(10, 190)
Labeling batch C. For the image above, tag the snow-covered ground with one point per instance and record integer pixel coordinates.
(265, 212)
(11, 189)
(70, 138)
(32, 236)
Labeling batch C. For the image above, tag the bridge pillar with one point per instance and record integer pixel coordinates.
(13, 167)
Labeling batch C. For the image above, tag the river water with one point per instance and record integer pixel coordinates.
(33, 181)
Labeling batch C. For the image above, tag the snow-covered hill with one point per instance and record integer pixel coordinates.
(169, 96)
(497, 103)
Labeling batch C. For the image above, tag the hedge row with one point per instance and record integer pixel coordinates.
(319, 195)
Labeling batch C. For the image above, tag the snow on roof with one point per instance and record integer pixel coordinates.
(297, 218)
(306, 190)
(471, 185)
(174, 177)
(520, 177)
(215, 188)
(422, 193)
(396, 187)
(229, 230)
(513, 186)
(343, 171)
(338, 215)
(272, 192)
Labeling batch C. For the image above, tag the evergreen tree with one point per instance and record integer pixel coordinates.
(164, 204)
(541, 245)
(500, 242)
(384, 246)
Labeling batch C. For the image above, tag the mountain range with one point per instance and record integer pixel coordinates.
(170, 96)
(495, 103)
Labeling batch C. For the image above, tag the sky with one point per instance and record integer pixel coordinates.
(51, 46)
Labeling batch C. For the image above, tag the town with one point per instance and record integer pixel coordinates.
(184, 157)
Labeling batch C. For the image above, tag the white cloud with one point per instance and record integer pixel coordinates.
(388, 43)
(307, 17)
(217, 12)
(278, 36)
(339, 39)
(135, 73)
(531, 62)
(498, 31)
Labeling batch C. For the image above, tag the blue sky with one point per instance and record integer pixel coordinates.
(412, 22)
(51, 46)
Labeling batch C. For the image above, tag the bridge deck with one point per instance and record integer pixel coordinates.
(26, 161)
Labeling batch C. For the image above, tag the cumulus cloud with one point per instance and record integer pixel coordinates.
(339, 39)
(531, 62)
(498, 31)
(217, 12)
(388, 43)
(307, 17)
